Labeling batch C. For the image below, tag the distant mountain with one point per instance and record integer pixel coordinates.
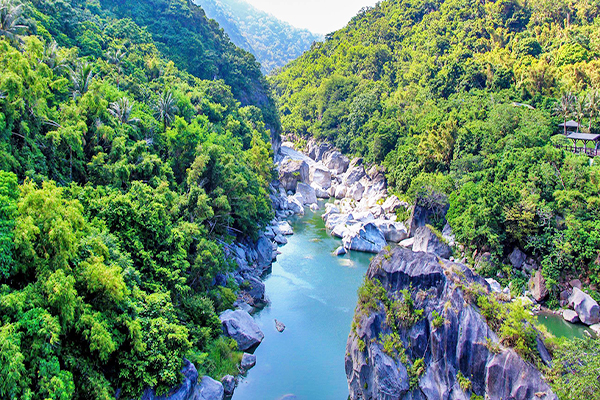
(272, 41)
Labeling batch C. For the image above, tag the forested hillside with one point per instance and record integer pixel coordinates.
(122, 174)
(460, 101)
(273, 42)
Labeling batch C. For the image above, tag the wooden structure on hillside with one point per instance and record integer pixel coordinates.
(572, 126)
(586, 140)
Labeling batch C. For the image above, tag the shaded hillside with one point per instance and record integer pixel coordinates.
(272, 41)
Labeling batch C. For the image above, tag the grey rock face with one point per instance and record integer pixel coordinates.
(308, 193)
(228, 383)
(586, 308)
(538, 288)
(570, 316)
(429, 242)
(494, 285)
(296, 204)
(422, 216)
(248, 361)
(264, 249)
(320, 176)
(208, 389)
(367, 238)
(517, 258)
(457, 344)
(354, 175)
(337, 162)
(240, 326)
(291, 172)
(392, 231)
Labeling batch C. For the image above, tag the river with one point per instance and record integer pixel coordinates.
(314, 294)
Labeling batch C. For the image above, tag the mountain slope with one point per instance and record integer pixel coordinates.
(123, 179)
(460, 100)
(273, 42)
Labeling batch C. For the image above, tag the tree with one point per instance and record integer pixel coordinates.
(564, 107)
(579, 110)
(592, 105)
(166, 108)
(11, 19)
(121, 110)
(81, 78)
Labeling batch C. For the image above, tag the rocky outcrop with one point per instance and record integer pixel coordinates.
(291, 172)
(537, 285)
(307, 192)
(208, 389)
(386, 352)
(336, 162)
(248, 361)
(586, 308)
(240, 326)
(517, 258)
(228, 383)
(428, 241)
(367, 238)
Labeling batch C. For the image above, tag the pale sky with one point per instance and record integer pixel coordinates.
(318, 16)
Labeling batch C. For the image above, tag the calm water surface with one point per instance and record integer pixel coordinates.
(314, 294)
(560, 328)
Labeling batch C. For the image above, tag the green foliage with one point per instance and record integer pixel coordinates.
(114, 212)
(574, 372)
(416, 370)
(436, 319)
(464, 382)
(460, 103)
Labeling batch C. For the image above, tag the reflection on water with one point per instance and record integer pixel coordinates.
(313, 293)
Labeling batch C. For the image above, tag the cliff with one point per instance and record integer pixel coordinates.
(419, 332)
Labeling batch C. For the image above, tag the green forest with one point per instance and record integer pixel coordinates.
(461, 101)
(127, 158)
(273, 42)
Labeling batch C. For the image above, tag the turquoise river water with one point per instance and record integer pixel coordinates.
(314, 294)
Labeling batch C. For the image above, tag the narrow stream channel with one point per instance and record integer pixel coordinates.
(314, 294)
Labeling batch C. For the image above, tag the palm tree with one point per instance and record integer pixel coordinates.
(579, 110)
(11, 19)
(121, 110)
(51, 57)
(116, 57)
(593, 106)
(564, 107)
(166, 108)
(82, 78)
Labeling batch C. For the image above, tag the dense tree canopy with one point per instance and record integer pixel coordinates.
(464, 98)
(121, 177)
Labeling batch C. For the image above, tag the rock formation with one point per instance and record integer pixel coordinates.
(418, 335)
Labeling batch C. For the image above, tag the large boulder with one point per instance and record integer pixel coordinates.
(421, 216)
(264, 250)
(537, 286)
(367, 238)
(316, 151)
(356, 191)
(354, 175)
(291, 172)
(248, 361)
(296, 204)
(320, 176)
(340, 192)
(228, 383)
(307, 192)
(461, 342)
(208, 389)
(517, 258)
(570, 316)
(336, 162)
(240, 326)
(431, 242)
(392, 231)
(586, 308)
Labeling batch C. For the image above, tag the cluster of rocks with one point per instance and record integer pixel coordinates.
(450, 337)
(362, 215)
(581, 306)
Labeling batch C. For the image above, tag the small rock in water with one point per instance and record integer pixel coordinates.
(279, 326)
(340, 251)
(228, 383)
(248, 361)
(314, 207)
(288, 397)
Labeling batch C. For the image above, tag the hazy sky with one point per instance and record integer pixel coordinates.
(319, 16)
